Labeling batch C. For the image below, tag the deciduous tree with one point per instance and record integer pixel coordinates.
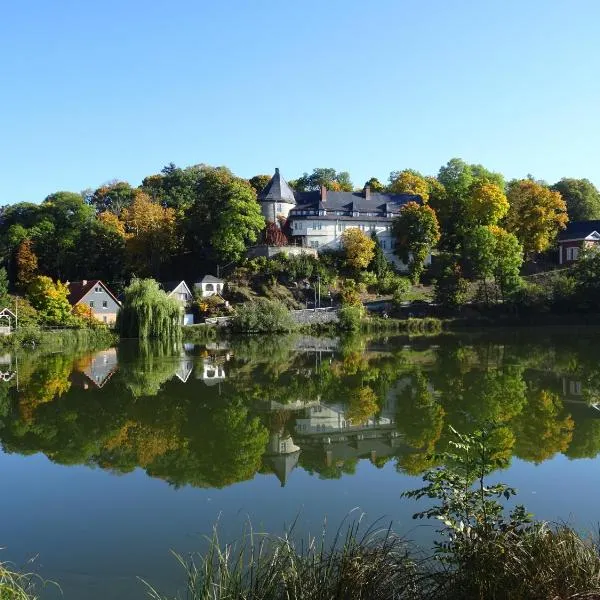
(259, 182)
(358, 247)
(409, 182)
(50, 300)
(536, 214)
(581, 197)
(26, 264)
(416, 231)
(374, 184)
(150, 232)
(330, 178)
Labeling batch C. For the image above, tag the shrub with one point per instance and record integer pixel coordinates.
(401, 291)
(369, 279)
(391, 282)
(451, 288)
(351, 317)
(262, 316)
(349, 293)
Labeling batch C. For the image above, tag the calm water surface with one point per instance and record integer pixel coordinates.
(111, 459)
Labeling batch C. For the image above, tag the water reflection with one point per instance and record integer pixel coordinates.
(211, 416)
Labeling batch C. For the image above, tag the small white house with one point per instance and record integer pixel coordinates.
(182, 293)
(210, 285)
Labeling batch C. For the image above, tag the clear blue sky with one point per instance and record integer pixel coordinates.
(94, 91)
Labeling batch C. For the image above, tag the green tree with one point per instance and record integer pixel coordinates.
(536, 214)
(451, 288)
(148, 312)
(358, 247)
(493, 253)
(330, 178)
(174, 187)
(459, 202)
(374, 184)
(581, 197)
(225, 217)
(416, 231)
(379, 263)
(113, 197)
(259, 182)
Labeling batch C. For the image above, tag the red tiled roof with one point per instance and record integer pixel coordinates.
(78, 289)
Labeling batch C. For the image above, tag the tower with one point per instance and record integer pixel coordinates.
(276, 199)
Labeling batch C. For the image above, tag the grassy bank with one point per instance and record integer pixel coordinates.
(59, 340)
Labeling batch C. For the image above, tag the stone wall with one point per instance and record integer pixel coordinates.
(310, 316)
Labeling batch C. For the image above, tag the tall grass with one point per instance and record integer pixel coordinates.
(18, 586)
(374, 565)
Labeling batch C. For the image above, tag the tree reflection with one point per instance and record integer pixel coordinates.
(302, 403)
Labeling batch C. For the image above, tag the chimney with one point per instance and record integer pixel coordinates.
(367, 192)
(84, 282)
(323, 193)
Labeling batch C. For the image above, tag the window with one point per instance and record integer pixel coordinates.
(91, 304)
(572, 253)
(97, 289)
(279, 207)
(104, 304)
(105, 319)
(384, 244)
(209, 287)
(314, 244)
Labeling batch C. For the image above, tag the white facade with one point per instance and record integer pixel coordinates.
(326, 234)
(210, 286)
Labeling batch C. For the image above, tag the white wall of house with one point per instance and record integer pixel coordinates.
(210, 289)
(322, 234)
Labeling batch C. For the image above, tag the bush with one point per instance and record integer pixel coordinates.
(392, 282)
(351, 317)
(262, 316)
(401, 291)
(451, 288)
(369, 279)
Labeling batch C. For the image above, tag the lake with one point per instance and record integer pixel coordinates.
(111, 459)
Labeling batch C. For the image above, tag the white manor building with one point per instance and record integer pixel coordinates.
(318, 219)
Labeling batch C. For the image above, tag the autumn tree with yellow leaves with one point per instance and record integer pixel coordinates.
(536, 214)
(358, 247)
(150, 233)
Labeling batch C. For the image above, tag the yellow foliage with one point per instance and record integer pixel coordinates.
(359, 248)
(536, 214)
(407, 182)
(150, 233)
(112, 222)
(487, 203)
(363, 404)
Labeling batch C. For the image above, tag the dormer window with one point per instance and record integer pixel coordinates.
(355, 213)
(97, 289)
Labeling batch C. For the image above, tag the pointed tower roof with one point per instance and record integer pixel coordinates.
(277, 190)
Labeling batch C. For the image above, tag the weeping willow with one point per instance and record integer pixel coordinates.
(148, 313)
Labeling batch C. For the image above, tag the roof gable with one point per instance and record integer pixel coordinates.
(79, 289)
(171, 286)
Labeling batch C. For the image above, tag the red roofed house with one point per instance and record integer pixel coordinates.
(92, 292)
